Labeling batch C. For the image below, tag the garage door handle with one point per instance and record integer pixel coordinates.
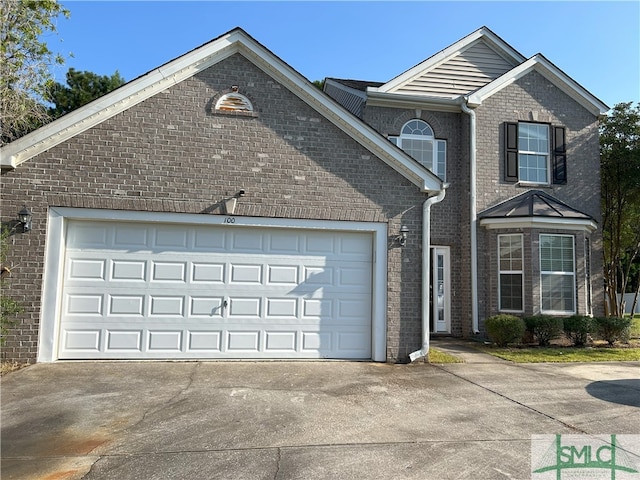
(224, 304)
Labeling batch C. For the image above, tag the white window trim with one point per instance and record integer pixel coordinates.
(397, 140)
(511, 272)
(546, 154)
(547, 272)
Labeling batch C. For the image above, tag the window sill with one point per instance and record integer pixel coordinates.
(533, 184)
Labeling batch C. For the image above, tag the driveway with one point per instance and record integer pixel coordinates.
(306, 420)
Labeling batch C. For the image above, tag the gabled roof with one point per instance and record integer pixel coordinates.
(461, 68)
(188, 65)
(532, 208)
(552, 73)
(472, 70)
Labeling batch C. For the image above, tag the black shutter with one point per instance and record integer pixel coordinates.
(559, 156)
(511, 152)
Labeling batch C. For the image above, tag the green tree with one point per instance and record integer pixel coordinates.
(25, 64)
(620, 176)
(81, 88)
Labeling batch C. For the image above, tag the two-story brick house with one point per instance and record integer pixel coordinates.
(220, 206)
(516, 139)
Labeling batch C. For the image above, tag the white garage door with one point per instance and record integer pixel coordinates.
(144, 291)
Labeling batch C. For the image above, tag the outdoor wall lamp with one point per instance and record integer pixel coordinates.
(24, 217)
(230, 203)
(402, 238)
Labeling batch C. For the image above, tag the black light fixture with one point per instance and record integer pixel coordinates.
(24, 217)
(402, 238)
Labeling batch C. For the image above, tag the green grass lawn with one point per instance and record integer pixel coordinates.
(438, 356)
(598, 353)
(564, 354)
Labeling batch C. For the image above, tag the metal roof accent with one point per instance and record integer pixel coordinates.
(533, 203)
(535, 208)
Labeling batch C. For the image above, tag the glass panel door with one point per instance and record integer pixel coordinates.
(441, 290)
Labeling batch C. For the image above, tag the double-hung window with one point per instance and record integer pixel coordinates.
(535, 153)
(557, 274)
(418, 140)
(511, 274)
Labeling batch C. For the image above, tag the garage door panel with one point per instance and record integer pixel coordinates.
(170, 238)
(87, 269)
(246, 273)
(281, 341)
(155, 291)
(131, 237)
(168, 341)
(169, 272)
(210, 307)
(281, 307)
(246, 242)
(282, 274)
(204, 341)
(126, 305)
(124, 340)
(83, 340)
(84, 304)
(243, 341)
(162, 306)
(128, 270)
(207, 272)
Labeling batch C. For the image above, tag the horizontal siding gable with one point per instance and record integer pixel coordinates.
(463, 73)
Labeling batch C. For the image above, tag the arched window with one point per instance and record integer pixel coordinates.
(417, 139)
(234, 102)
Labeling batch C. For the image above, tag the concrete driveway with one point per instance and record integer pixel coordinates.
(306, 420)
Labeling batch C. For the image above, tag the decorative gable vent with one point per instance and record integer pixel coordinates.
(234, 102)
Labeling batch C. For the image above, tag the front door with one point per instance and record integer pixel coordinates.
(441, 290)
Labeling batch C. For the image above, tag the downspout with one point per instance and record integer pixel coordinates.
(474, 217)
(426, 270)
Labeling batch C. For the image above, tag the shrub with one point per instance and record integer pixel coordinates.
(503, 329)
(544, 328)
(613, 329)
(577, 329)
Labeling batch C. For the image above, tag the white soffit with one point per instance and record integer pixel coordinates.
(482, 34)
(189, 64)
(552, 73)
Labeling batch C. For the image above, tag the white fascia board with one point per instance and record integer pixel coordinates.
(343, 119)
(540, 222)
(552, 73)
(401, 100)
(201, 59)
(458, 47)
(119, 100)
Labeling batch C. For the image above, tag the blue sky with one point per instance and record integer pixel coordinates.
(595, 43)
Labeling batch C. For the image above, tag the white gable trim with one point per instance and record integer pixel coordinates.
(483, 33)
(556, 76)
(117, 101)
(236, 41)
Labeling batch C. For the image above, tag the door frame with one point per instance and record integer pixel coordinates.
(53, 276)
(441, 325)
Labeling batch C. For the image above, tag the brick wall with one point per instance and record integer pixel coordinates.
(450, 219)
(534, 98)
(171, 153)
